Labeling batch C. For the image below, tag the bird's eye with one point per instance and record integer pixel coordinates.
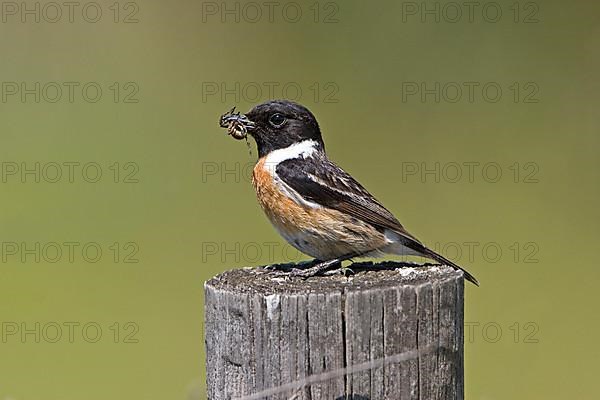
(277, 120)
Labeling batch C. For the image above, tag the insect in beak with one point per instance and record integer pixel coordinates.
(237, 124)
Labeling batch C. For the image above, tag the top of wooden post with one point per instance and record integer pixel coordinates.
(389, 331)
(366, 276)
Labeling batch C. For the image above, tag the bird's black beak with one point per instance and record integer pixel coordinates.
(238, 125)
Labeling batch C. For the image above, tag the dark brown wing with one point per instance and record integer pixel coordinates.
(322, 182)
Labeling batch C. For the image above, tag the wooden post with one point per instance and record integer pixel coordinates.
(387, 333)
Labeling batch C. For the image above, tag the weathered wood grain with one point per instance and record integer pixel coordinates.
(264, 331)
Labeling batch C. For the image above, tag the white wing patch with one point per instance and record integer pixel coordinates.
(304, 149)
(292, 194)
(343, 180)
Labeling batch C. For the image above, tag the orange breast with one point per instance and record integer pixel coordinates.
(319, 232)
(283, 212)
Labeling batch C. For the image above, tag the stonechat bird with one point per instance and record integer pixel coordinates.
(315, 205)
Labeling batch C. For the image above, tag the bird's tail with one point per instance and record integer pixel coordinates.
(441, 259)
(419, 248)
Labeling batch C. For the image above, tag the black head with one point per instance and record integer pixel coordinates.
(277, 124)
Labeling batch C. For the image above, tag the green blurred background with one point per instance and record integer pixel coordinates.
(183, 207)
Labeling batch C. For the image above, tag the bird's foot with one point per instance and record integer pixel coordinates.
(288, 270)
(318, 268)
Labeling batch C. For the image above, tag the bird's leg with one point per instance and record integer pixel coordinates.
(317, 268)
(328, 267)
